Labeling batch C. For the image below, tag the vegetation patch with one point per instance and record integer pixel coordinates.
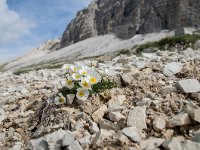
(180, 42)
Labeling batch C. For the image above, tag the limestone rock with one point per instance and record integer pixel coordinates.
(94, 128)
(137, 118)
(2, 115)
(70, 98)
(133, 133)
(189, 145)
(99, 113)
(74, 146)
(196, 95)
(127, 79)
(151, 143)
(172, 144)
(159, 124)
(38, 144)
(67, 139)
(101, 136)
(196, 137)
(116, 116)
(172, 68)
(193, 111)
(179, 120)
(197, 45)
(188, 85)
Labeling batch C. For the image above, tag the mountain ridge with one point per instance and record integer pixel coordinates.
(126, 18)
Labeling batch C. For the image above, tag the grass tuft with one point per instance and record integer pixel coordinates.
(183, 41)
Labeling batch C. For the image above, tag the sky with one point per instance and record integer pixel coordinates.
(25, 24)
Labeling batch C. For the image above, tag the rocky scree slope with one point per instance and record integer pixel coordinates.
(155, 106)
(126, 18)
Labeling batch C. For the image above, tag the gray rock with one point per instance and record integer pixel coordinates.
(85, 141)
(189, 52)
(94, 128)
(2, 115)
(108, 125)
(133, 133)
(140, 64)
(189, 145)
(55, 139)
(127, 79)
(116, 116)
(159, 124)
(172, 68)
(74, 146)
(99, 113)
(24, 91)
(193, 111)
(151, 143)
(67, 139)
(179, 120)
(137, 118)
(196, 137)
(38, 144)
(172, 144)
(196, 95)
(188, 85)
(2, 136)
(17, 146)
(101, 136)
(70, 98)
(197, 45)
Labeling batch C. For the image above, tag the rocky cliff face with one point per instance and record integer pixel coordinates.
(126, 18)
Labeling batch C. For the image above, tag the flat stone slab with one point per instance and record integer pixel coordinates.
(172, 68)
(179, 120)
(133, 133)
(172, 144)
(188, 85)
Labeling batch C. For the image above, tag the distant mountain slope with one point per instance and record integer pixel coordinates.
(126, 18)
(90, 47)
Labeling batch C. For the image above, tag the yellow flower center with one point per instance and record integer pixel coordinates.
(77, 76)
(93, 80)
(75, 69)
(69, 82)
(85, 84)
(84, 73)
(81, 94)
(61, 100)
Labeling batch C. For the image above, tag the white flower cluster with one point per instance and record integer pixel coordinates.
(81, 76)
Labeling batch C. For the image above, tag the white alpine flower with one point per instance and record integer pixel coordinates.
(93, 77)
(74, 68)
(69, 83)
(84, 70)
(76, 76)
(66, 66)
(82, 94)
(59, 99)
(85, 84)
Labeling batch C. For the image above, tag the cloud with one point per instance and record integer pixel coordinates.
(26, 24)
(12, 26)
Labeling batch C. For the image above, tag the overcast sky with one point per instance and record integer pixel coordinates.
(25, 24)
